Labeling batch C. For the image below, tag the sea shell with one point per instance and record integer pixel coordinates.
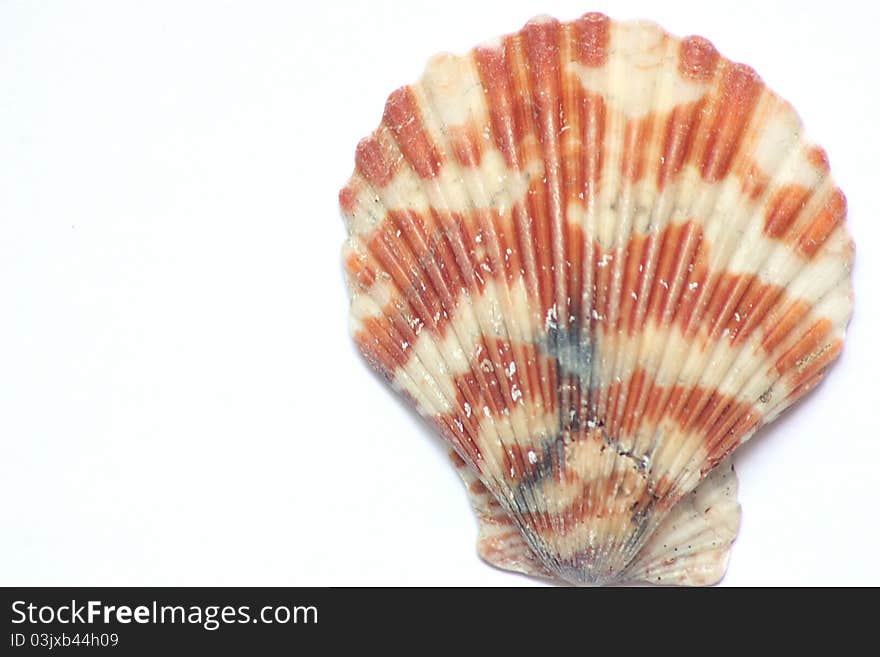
(597, 258)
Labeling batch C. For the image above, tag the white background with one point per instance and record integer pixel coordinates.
(180, 401)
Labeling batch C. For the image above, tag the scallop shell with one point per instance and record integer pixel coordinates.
(597, 258)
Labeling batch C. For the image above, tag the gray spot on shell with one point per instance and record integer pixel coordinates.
(572, 352)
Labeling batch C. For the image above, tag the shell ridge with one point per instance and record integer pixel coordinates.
(631, 204)
(703, 209)
(779, 403)
(593, 508)
(523, 503)
(499, 540)
(523, 443)
(661, 428)
(689, 460)
(713, 430)
(543, 401)
(626, 165)
(586, 122)
(692, 544)
(414, 361)
(552, 120)
(572, 353)
(566, 348)
(513, 72)
(594, 182)
(590, 505)
(519, 56)
(404, 374)
(618, 219)
(435, 280)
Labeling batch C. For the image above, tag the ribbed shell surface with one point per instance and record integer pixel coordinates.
(597, 258)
